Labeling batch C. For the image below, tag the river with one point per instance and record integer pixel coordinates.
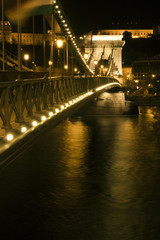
(96, 176)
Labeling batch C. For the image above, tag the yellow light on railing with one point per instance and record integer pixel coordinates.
(57, 110)
(43, 118)
(67, 105)
(23, 129)
(51, 114)
(9, 137)
(34, 123)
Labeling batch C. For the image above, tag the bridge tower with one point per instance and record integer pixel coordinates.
(105, 47)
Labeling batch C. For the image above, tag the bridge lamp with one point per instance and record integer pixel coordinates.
(86, 56)
(9, 137)
(57, 110)
(67, 105)
(75, 69)
(95, 62)
(34, 123)
(65, 67)
(59, 43)
(23, 129)
(51, 114)
(26, 57)
(43, 118)
(50, 63)
(62, 107)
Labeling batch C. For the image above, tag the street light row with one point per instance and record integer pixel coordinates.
(69, 32)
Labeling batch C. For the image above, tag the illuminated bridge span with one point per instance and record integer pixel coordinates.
(28, 107)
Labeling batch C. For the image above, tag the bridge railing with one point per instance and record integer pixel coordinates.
(22, 100)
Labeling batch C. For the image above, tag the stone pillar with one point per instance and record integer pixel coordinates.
(104, 46)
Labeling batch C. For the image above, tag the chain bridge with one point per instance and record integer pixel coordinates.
(29, 106)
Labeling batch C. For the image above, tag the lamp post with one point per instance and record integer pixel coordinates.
(59, 46)
(50, 68)
(26, 58)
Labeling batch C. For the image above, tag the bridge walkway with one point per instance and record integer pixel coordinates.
(30, 107)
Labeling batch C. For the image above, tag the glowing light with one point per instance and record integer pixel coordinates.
(107, 37)
(67, 105)
(43, 118)
(59, 43)
(26, 56)
(23, 129)
(57, 110)
(62, 107)
(70, 102)
(86, 56)
(104, 86)
(66, 67)
(34, 123)
(9, 137)
(50, 63)
(51, 114)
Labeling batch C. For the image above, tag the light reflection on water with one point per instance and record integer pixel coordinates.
(95, 176)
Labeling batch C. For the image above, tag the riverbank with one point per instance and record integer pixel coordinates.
(144, 100)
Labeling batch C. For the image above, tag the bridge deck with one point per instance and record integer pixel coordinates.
(37, 105)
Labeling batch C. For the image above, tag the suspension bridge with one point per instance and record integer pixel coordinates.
(30, 106)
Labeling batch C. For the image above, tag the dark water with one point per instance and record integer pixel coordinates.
(93, 177)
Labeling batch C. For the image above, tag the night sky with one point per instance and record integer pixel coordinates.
(87, 15)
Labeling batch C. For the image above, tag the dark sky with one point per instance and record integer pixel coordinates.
(87, 15)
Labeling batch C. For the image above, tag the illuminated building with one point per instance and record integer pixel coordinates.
(135, 33)
(146, 70)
